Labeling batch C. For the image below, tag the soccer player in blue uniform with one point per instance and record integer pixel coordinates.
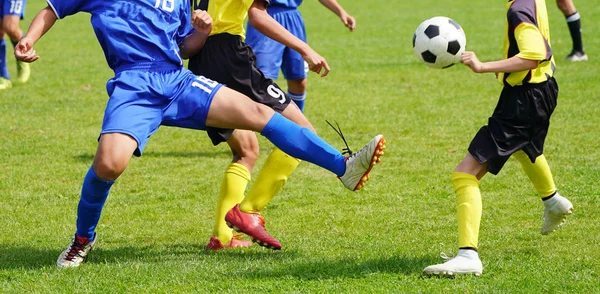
(144, 42)
(11, 12)
(574, 22)
(272, 55)
(517, 127)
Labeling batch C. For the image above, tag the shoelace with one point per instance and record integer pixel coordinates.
(446, 257)
(338, 130)
(75, 249)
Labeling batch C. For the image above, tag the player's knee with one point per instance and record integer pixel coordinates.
(109, 169)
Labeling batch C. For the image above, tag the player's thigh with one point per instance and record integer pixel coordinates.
(233, 110)
(133, 109)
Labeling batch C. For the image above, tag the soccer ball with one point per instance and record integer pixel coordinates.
(439, 42)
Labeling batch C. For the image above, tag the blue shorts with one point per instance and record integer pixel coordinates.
(272, 55)
(143, 98)
(12, 7)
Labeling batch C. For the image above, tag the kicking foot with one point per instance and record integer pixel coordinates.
(359, 164)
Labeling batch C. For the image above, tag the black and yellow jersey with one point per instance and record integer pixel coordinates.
(228, 15)
(528, 37)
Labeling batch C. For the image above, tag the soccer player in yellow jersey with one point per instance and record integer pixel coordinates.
(517, 127)
(226, 58)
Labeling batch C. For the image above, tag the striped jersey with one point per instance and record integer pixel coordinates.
(528, 37)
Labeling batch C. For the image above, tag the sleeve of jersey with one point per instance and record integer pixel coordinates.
(532, 44)
(185, 28)
(64, 8)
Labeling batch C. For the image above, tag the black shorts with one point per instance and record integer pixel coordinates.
(519, 122)
(226, 59)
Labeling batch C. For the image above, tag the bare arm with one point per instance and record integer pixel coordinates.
(40, 25)
(512, 64)
(264, 23)
(336, 8)
(202, 23)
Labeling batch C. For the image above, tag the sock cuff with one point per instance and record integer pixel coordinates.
(239, 170)
(573, 17)
(94, 176)
(462, 180)
(275, 120)
(297, 96)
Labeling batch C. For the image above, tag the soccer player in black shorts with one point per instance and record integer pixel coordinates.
(227, 59)
(517, 127)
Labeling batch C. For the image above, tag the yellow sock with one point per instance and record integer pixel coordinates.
(232, 191)
(278, 167)
(539, 173)
(468, 195)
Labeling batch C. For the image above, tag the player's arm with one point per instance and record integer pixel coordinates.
(512, 64)
(533, 49)
(336, 8)
(41, 24)
(264, 23)
(202, 23)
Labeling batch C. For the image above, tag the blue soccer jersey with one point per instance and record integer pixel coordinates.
(136, 31)
(286, 3)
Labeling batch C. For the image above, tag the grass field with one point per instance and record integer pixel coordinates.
(160, 212)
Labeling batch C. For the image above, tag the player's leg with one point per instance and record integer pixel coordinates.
(4, 76)
(231, 109)
(130, 119)
(293, 67)
(465, 179)
(574, 22)
(556, 207)
(13, 16)
(111, 159)
(244, 147)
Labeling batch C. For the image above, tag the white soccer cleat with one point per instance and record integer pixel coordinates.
(461, 264)
(556, 210)
(76, 253)
(359, 164)
(576, 56)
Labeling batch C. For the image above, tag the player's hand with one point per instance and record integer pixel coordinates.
(24, 51)
(201, 21)
(470, 59)
(348, 21)
(316, 63)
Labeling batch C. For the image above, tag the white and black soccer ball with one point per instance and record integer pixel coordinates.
(439, 42)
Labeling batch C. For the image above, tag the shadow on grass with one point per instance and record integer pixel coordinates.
(28, 257)
(287, 263)
(345, 268)
(220, 153)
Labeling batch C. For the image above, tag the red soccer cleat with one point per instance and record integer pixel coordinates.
(253, 225)
(215, 244)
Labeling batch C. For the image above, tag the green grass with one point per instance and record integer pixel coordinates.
(160, 212)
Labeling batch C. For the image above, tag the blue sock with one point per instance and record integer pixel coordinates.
(3, 67)
(302, 143)
(298, 99)
(93, 195)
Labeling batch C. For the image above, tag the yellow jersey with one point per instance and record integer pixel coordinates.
(228, 15)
